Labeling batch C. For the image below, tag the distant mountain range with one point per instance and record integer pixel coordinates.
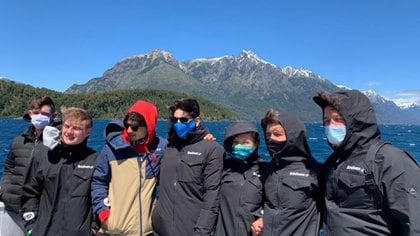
(246, 84)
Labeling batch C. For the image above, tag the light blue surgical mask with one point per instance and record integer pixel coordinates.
(242, 151)
(40, 121)
(182, 129)
(335, 133)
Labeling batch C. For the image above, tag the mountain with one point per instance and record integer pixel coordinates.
(389, 112)
(407, 104)
(245, 84)
(105, 105)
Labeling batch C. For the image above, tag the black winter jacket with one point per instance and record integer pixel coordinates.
(352, 208)
(190, 176)
(291, 189)
(57, 190)
(241, 191)
(16, 167)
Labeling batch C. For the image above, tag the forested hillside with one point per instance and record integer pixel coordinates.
(15, 98)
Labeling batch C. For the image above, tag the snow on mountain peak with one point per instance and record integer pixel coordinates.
(371, 93)
(293, 72)
(253, 57)
(375, 97)
(212, 60)
(344, 87)
(154, 54)
(404, 104)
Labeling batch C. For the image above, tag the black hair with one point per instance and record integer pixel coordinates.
(133, 116)
(188, 105)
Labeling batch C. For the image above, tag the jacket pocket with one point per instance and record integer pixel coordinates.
(252, 194)
(295, 193)
(81, 182)
(352, 191)
(190, 170)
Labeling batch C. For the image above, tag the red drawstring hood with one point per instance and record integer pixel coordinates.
(150, 114)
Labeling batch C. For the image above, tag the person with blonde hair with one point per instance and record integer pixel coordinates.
(56, 193)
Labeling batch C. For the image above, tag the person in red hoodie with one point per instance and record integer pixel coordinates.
(124, 181)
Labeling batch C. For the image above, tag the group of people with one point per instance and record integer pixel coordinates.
(188, 184)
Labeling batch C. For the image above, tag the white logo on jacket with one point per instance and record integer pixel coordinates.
(294, 173)
(194, 153)
(85, 167)
(360, 169)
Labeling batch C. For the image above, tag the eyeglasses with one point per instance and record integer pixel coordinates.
(134, 127)
(181, 119)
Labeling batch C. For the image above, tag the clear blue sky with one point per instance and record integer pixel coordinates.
(363, 44)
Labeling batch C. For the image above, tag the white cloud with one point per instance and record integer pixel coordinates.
(412, 92)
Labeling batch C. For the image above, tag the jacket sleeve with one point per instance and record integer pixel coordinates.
(402, 188)
(33, 187)
(100, 182)
(9, 164)
(212, 177)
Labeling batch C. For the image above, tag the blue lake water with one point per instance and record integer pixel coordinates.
(406, 137)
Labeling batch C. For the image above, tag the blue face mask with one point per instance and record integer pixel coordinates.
(40, 121)
(335, 134)
(182, 129)
(242, 151)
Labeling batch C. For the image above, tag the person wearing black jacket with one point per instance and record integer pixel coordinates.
(56, 193)
(41, 113)
(293, 197)
(362, 197)
(190, 176)
(241, 191)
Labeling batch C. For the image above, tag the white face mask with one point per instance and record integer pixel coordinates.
(335, 133)
(40, 121)
(51, 137)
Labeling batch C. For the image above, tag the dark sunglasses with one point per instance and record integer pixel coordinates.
(134, 127)
(181, 119)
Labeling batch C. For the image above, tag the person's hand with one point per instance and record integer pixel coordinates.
(257, 226)
(209, 137)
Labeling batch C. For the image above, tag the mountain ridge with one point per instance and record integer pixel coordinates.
(246, 84)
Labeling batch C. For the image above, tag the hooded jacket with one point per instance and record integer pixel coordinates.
(125, 176)
(291, 189)
(189, 186)
(351, 207)
(57, 190)
(241, 191)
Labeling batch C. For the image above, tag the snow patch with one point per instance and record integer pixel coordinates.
(293, 72)
(252, 56)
